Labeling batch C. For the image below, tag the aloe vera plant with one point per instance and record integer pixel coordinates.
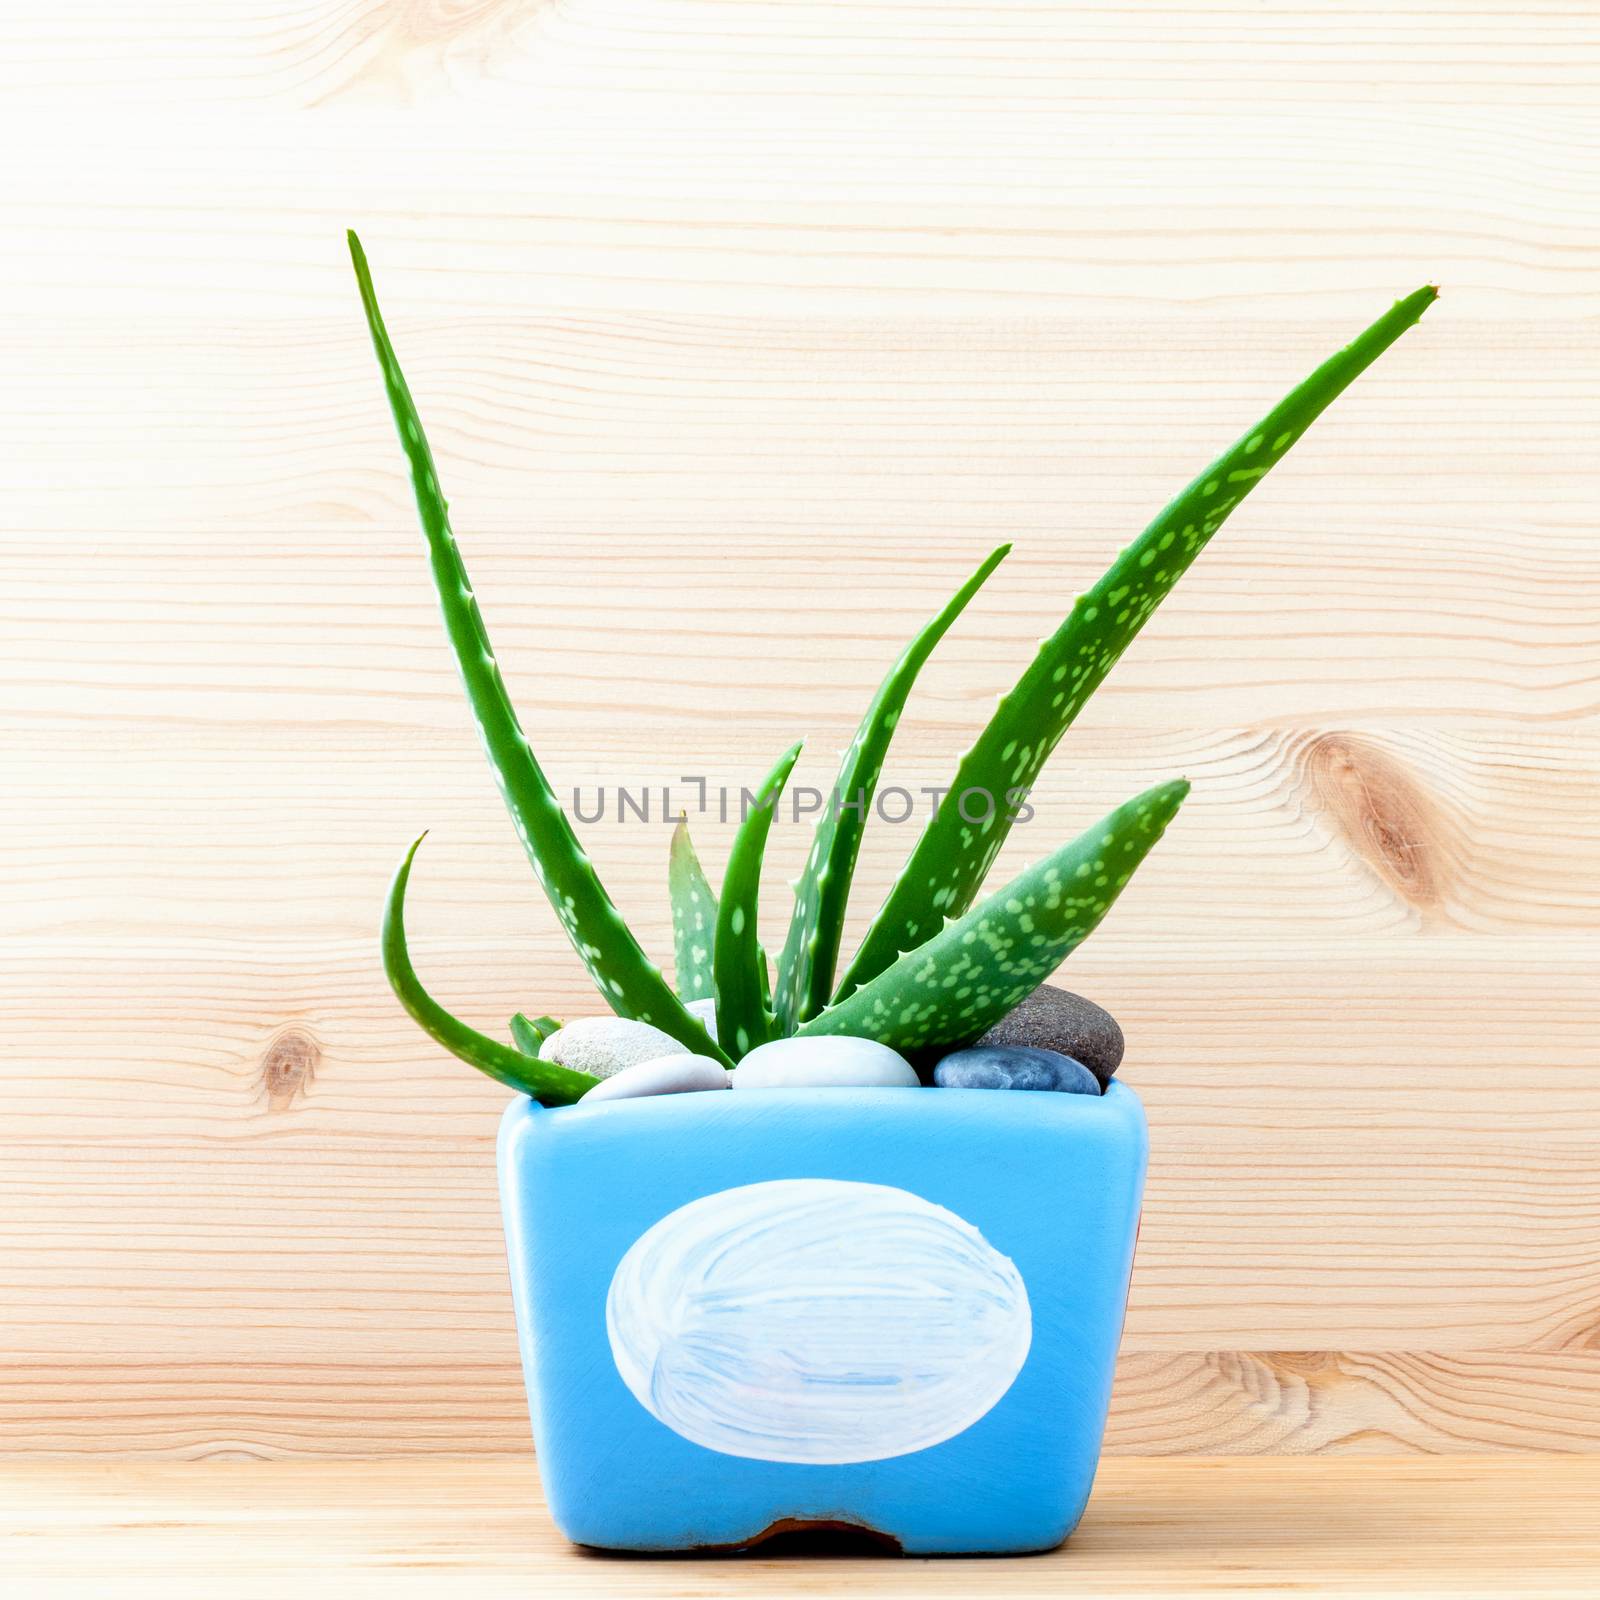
(934, 969)
(950, 860)
(817, 924)
(694, 917)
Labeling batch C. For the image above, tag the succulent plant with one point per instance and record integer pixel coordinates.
(933, 968)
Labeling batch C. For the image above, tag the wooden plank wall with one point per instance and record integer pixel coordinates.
(743, 331)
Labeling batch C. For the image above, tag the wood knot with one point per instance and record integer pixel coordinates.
(288, 1066)
(1384, 813)
(446, 21)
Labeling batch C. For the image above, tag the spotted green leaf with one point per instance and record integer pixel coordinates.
(948, 864)
(738, 963)
(528, 1035)
(811, 952)
(544, 1080)
(694, 916)
(631, 983)
(971, 973)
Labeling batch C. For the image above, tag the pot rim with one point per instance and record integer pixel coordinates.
(1116, 1103)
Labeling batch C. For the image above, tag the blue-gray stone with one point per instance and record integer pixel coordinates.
(995, 1066)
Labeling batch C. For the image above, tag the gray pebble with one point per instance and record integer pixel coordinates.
(605, 1045)
(1057, 1019)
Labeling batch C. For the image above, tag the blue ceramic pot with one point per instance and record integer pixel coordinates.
(890, 1309)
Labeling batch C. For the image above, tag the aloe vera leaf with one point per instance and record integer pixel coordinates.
(811, 951)
(632, 984)
(948, 863)
(694, 916)
(544, 1080)
(528, 1035)
(971, 973)
(738, 963)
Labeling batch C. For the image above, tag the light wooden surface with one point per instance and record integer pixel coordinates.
(743, 330)
(1501, 1526)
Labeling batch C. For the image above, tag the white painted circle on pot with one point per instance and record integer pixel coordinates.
(813, 1320)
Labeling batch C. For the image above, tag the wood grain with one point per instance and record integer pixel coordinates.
(410, 1530)
(743, 332)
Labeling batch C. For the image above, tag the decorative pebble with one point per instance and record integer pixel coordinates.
(706, 1011)
(1057, 1019)
(603, 1046)
(1014, 1067)
(826, 1062)
(680, 1074)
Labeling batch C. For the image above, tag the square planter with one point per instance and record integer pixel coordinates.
(887, 1309)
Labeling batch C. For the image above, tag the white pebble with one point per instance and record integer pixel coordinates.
(603, 1046)
(826, 1062)
(706, 1011)
(680, 1074)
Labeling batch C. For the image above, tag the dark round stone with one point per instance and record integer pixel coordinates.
(1057, 1019)
(1014, 1067)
